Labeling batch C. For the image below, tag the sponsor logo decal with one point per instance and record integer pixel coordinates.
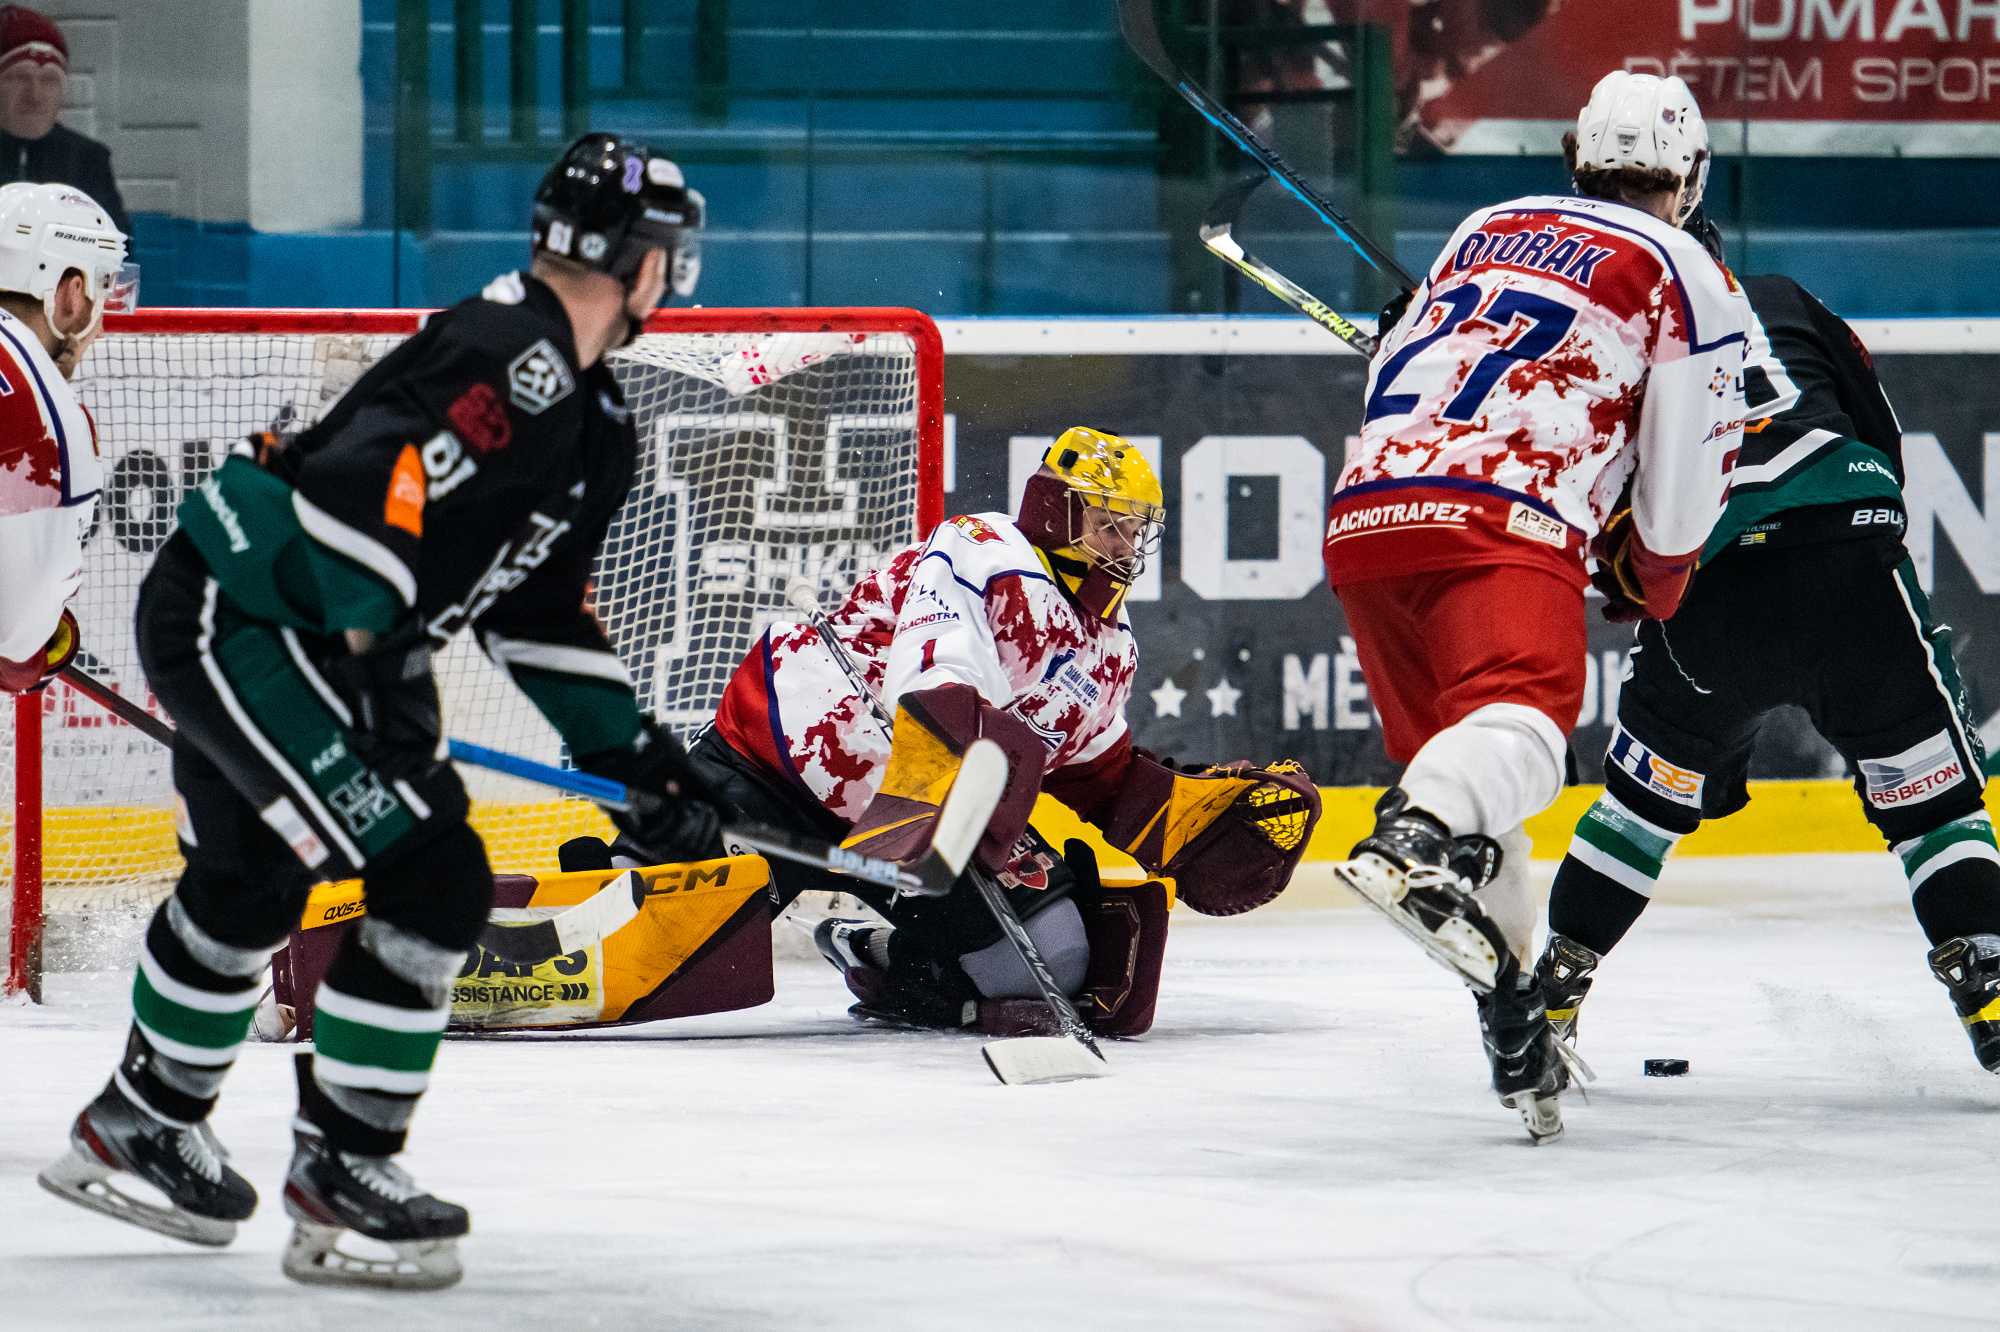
(341, 911)
(591, 247)
(538, 378)
(1428, 513)
(404, 507)
(1534, 525)
(560, 236)
(232, 526)
(284, 817)
(1871, 517)
(1918, 773)
(1663, 779)
(445, 464)
(480, 418)
(361, 801)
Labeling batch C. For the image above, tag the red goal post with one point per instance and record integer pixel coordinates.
(774, 443)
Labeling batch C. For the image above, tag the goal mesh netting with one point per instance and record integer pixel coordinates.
(764, 456)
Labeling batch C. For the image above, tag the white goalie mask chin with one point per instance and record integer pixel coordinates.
(1642, 120)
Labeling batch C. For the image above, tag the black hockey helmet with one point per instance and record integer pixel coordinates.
(608, 200)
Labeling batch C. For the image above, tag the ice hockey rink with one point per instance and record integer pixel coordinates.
(1304, 1140)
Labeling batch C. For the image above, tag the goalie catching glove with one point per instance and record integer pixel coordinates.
(1229, 837)
(934, 727)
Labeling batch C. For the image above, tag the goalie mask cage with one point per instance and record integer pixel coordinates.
(772, 444)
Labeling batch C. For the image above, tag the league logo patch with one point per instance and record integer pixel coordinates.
(538, 378)
(1918, 773)
(975, 529)
(1663, 779)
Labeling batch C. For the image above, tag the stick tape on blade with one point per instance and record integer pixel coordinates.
(1028, 1060)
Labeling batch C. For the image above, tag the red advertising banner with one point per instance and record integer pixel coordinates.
(1781, 77)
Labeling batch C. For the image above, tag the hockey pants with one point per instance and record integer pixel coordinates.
(1841, 630)
(270, 798)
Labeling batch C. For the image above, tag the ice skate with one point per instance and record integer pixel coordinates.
(119, 1134)
(1563, 975)
(1412, 870)
(331, 1194)
(1529, 1070)
(1970, 970)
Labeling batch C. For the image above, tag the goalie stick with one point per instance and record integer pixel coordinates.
(1020, 1060)
(117, 704)
(1142, 34)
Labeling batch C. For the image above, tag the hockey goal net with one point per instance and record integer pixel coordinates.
(773, 444)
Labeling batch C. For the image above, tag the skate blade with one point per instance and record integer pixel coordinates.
(313, 1257)
(1025, 1061)
(1542, 1115)
(1457, 946)
(81, 1178)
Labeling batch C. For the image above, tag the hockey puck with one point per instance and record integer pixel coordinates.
(1666, 1068)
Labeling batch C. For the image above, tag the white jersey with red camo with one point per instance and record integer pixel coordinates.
(973, 605)
(49, 482)
(1557, 344)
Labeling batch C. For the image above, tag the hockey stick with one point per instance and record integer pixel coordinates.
(1215, 234)
(1020, 1060)
(124, 709)
(767, 841)
(1142, 34)
(584, 925)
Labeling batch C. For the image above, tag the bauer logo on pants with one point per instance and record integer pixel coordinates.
(1663, 779)
(1918, 773)
(538, 378)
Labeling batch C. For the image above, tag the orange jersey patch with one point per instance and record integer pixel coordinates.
(405, 506)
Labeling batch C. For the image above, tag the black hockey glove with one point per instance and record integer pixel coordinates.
(393, 698)
(1392, 314)
(678, 815)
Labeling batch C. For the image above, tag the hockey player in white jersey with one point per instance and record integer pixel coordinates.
(1011, 629)
(60, 261)
(1568, 380)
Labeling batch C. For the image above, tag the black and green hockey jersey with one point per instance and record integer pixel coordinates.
(466, 480)
(1821, 440)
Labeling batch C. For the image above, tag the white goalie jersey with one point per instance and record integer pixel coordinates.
(973, 605)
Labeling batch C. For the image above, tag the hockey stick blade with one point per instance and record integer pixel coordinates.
(584, 925)
(1026, 1061)
(124, 709)
(1217, 228)
(1142, 34)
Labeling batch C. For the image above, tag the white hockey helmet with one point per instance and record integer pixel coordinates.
(46, 230)
(1642, 120)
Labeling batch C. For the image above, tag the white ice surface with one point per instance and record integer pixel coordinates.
(1303, 1141)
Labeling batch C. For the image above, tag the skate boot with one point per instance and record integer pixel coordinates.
(897, 997)
(1564, 973)
(118, 1133)
(1412, 870)
(1529, 1072)
(1970, 969)
(330, 1192)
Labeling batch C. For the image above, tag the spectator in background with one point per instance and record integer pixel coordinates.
(34, 60)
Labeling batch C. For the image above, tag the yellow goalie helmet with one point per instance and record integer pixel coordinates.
(1096, 512)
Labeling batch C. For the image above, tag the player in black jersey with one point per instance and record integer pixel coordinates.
(465, 481)
(1805, 595)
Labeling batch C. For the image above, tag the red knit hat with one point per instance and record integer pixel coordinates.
(26, 35)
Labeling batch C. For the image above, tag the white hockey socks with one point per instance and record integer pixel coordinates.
(1491, 771)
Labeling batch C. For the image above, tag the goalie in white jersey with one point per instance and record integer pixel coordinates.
(60, 265)
(1011, 629)
(1569, 379)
